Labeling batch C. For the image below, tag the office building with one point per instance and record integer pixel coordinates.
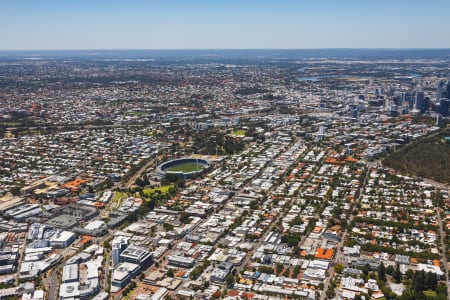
(137, 255)
(70, 273)
(119, 244)
(439, 90)
(123, 274)
(181, 261)
(420, 101)
(445, 105)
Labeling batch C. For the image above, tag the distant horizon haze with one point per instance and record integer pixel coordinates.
(223, 49)
(224, 55)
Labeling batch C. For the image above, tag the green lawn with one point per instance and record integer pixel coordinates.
(430, 294)
(9, 124)
(140, 113)
(240, 132)
(186, 167)
(119, 196)
(163, 189)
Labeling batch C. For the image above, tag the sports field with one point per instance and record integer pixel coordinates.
(186, 167)
(240, 132)
(162, 189)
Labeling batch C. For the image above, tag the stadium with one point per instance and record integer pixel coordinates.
(183, 167)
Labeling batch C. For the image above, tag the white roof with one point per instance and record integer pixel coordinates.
(123, 269)
(38, 295)
(91, 248)
(70, 273)
(69, 290)
(94, 225)
(159, 294)
(92, 269)
(62, 236)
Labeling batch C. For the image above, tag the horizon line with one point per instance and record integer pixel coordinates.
(209, 49)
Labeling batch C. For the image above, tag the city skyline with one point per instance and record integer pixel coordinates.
(55, 25)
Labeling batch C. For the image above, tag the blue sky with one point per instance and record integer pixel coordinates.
(211, 24)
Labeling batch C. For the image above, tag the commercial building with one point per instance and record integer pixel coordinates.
(181, 261)
(9, 201)
(69, 291)
(94, 228)
(123, 274)
(70, 273)
(22, 212)
(137, 255)
(160, 294)
(119, 244)
(62, 239)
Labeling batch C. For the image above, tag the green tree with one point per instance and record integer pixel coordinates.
(397, 275)
(279, 268)
(410, 274)
(295, 272)
(106, 244)
(432, 281)
(140, 182)
(339, 268)
(441, 289)
(418, 281)
(15, 190)
(382, 272)
(230, 279)
(390, 270)
(366, 269)
(265, 269)
(170, 273)
(330, 292)
(185, 218)
(180, 183)
(168, 227)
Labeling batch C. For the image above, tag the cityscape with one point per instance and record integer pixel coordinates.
(228, 177)
(241, 150)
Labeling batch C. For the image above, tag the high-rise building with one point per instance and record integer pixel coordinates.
(397, 99)
(379, 91)
(391, 90)
(426, 103)
(420, 105)
(439, 90)
(321, 134)
(119, 244)
(439, 120)
(407, 97)
(448, 89)
(437, 107)
(445, 105)
(411, 103)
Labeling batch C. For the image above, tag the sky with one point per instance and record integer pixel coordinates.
(223, 24)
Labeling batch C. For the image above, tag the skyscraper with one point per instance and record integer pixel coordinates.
(420, 101)
(445, 105)
(119, 244)
(426, 103)
(439, 90)
(321, 134)
(448, 89)
(407, 97)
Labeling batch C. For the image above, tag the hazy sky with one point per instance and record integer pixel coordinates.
(185, 24)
